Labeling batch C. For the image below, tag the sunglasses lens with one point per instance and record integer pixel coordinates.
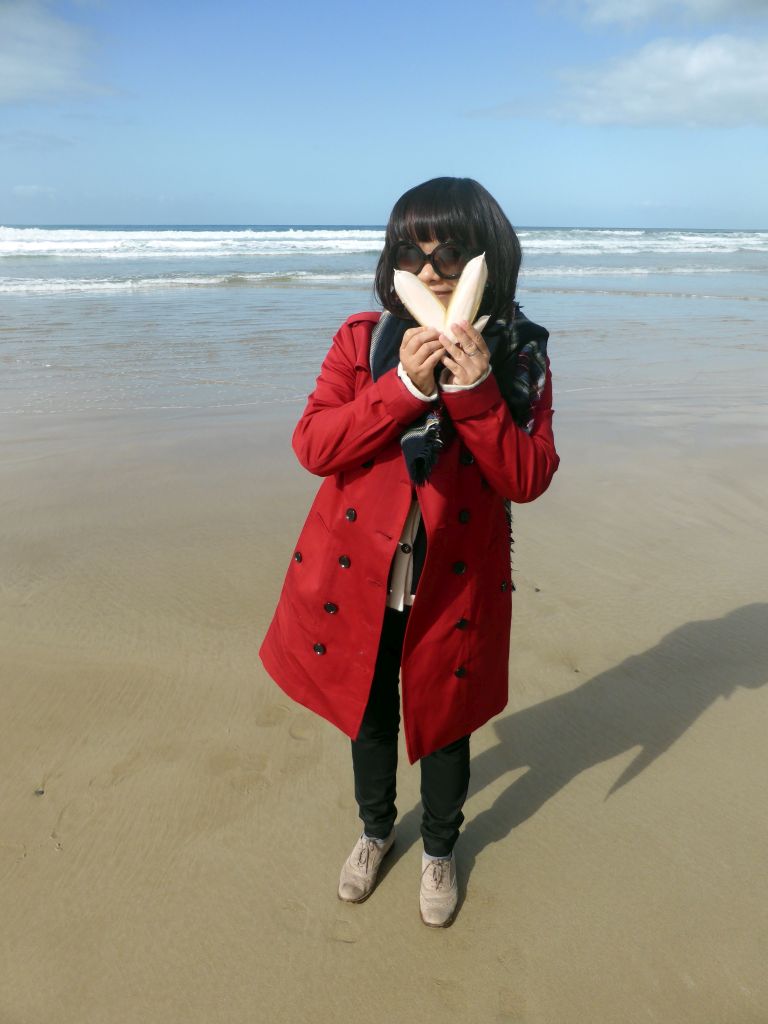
(408, 257)
(449, 259)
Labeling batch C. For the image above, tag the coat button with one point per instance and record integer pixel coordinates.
(367, 464)
(330, 607)
(297, 556)
(462, 624)
(504, 584)
(405, 548)
(318, 648)
(460, 671)
(459, 568)
(464, 515)
(345, 561)
(466, 458)
(351, 515)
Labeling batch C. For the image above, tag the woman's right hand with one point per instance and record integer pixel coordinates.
(420, 352)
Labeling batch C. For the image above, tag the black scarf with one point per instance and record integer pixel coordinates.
(518, 350)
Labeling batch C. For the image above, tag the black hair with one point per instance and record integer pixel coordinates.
(457, 210)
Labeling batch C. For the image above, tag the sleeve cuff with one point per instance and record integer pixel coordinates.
(469, 402)
(452, 388)
(412, 387)
(400, 404)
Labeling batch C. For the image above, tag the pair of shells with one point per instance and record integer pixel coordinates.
(427, 310)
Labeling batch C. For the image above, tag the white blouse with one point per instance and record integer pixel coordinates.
(399, 593)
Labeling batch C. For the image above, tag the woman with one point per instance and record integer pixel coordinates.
(403, 564)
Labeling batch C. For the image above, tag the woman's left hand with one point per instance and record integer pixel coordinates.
(467, 359)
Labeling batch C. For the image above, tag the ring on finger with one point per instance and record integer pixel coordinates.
(471, 351)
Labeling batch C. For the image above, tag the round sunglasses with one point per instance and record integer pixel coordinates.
(447, 260)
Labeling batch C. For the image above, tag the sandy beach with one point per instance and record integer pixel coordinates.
(173, 826)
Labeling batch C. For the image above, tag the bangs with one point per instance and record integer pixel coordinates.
(435, 210)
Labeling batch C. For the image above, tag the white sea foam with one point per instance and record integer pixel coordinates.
(578, 242)
(162, 243)
(58, 285)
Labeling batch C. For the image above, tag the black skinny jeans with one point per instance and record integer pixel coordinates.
(444, 773)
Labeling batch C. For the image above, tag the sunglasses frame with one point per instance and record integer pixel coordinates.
(469, 253)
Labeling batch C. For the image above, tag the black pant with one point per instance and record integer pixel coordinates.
(444, 773)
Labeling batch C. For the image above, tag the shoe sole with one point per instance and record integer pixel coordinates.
(445, 924)
(365, 896)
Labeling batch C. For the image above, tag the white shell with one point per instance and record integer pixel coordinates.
(468, 293)
(427, 310)
(423, 305)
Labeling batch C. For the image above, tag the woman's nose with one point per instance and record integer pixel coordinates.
(427, 274)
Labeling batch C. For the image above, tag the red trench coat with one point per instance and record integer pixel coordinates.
(322, 642)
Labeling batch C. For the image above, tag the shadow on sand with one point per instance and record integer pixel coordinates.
(647, 701)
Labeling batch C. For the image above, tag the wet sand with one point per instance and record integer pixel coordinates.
(173, 827)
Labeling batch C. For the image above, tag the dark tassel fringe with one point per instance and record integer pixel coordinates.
(421, 465)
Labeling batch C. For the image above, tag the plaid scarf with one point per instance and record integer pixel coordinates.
(518, 350)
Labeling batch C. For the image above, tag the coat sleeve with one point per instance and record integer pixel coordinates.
(337, 430)
(519, 466)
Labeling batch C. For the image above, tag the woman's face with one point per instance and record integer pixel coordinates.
(436, 284)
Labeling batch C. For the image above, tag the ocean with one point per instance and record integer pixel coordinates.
(126, 318)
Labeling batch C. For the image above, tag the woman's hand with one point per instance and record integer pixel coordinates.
(468, 358)
(420, 352)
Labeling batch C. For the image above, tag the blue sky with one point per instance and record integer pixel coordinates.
(572, 112)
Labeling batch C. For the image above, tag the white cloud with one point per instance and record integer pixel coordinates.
(34, 191)
(630, 11)
(41, 55)
(722, 80)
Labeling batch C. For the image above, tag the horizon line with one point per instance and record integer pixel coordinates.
(359, 227)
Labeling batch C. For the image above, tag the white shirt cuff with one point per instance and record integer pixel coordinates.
(412, 387)
(450, 388)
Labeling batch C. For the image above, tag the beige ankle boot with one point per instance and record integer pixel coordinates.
(358, 874)
(439, 893)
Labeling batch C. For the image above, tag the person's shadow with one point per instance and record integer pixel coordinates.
(647, 701)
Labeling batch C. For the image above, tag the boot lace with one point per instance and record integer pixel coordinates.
(367, 847)
(439, 868)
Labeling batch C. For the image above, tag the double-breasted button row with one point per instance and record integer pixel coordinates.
(351, 515)
(345, 561)
(318, 648)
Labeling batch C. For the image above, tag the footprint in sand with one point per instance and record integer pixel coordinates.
(344, 931)
(272, 714)
(511, 1007)
(294, 916)
(244, 774)
(301, 728)
(451, 994)
(73, 818)
(167, 753)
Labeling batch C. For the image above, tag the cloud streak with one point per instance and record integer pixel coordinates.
(720, 81)
(41, 55)
(629, 12)
(34, 192)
